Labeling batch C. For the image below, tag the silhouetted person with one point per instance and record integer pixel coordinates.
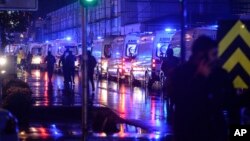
(29, 60)
(198, 113)
(170, 62)
(91, 67)
(70, 60)
(21, 58)
(50, 60)
(65, 67)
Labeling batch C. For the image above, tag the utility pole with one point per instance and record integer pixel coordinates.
(85, 5)
(84, 70)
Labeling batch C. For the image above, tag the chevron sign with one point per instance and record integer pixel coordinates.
(234, 51)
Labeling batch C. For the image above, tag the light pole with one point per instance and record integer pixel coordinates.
(84, 75)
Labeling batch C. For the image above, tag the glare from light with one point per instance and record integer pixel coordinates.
(159, 45)
(21, 35)
(215, 26)
(3, 61)
(22, 133)
(53, 125)
(37, 60)
(152, 38)
(37, 74)
(99, 37)
(68, 38)
(3, 72)
(104, 64)
(170, 30)
(46, 41)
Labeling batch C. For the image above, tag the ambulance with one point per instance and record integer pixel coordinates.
(191, 35)
(121, 53)
(38, 53)
(59, 46)
(152, 47)
(101, 50)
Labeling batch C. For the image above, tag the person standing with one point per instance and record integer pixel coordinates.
(29, 59)
(170, 62)
(21, 58)
(71, 64)
(50, 60)
(65, 68)
(198, 113)
(91, 67)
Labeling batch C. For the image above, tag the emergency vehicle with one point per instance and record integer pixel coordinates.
(152, 48)
(121, 53)
(59, 46)
(101, 50)
(38, 53)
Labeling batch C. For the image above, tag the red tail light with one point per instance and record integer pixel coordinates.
(155, 61)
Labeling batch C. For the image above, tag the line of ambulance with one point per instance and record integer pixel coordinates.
(138, 56)
(40, 50)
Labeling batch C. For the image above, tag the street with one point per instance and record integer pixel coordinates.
(134, 103)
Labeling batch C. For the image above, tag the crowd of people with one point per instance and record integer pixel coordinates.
(66, 63)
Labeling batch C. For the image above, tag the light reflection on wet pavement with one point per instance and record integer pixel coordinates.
(134, 103)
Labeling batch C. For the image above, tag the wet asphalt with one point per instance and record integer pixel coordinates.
(134, 103)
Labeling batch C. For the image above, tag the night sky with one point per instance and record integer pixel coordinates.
(46, 6)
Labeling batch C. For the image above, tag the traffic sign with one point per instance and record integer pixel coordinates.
(234, 51)
(27, 5)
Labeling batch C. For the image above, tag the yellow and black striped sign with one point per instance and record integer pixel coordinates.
(234, 51)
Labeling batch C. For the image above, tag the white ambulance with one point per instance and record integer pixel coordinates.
(121, 53)
(101, 50)
(191, 35)
(152, 48)
(60, 46)
(38, 53)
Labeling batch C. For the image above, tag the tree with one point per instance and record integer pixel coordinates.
(11, 22)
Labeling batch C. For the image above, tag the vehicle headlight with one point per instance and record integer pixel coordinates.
(3, 61)
(37, 60)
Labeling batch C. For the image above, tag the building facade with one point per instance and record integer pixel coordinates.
(110, 17)
(64, 22)
(120, 17)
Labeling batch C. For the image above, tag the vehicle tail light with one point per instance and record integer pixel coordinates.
(153, 63)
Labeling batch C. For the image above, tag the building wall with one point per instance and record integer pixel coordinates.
(65, 22)
(119, 17)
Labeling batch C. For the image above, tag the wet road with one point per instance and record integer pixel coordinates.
(135, 103)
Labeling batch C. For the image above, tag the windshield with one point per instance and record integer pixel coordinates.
(36, 51)
(131, 50)
(71, 48)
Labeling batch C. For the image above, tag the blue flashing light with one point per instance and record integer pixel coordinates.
(53, 125)
(214, 26)
(68, 38)
(99, 37)
(46, 41)
(170, 29)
